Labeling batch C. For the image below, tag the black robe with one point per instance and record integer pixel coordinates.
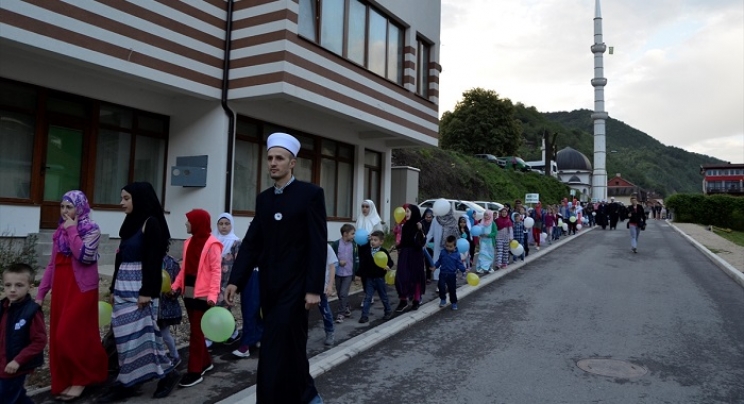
(287, 242)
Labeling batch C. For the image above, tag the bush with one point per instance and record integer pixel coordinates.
(718, 210)
(14, 249)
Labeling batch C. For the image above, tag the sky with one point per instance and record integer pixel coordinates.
(677, 71)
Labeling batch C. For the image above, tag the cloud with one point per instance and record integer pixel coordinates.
(676, 73)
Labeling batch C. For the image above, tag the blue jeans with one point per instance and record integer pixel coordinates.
(370, 286)
(250, 305)
(12, 390)
(634, 233)
(448, 280)
(325, 311)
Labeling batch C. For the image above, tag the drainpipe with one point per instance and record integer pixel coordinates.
(229, 112)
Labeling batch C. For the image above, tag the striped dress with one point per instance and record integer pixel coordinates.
(141, 349)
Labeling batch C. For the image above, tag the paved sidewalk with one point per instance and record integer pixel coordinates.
(726, 250)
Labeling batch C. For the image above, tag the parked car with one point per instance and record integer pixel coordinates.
(491, 158)
(516, 163)
(492, 206)
(459, 206)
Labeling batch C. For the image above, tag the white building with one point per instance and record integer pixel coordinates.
(575, 170)
(94, 95)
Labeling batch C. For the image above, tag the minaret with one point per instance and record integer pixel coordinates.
(599, 176)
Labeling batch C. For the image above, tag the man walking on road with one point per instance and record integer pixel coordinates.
(287, 242)
(636, 222)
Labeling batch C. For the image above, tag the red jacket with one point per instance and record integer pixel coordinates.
(209, 275)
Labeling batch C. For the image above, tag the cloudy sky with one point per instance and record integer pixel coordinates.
(677, 72)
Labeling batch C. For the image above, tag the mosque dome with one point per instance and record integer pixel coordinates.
(569, 159)
(574, 179)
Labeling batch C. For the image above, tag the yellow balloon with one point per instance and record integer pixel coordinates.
(390, 277)
(513, 244)
(104, 314)
(381, 259)
(399, 214)
(166, 286)
(473, 279)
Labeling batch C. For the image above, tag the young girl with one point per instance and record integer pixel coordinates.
(463, 224)
(550, 222)
(230, 245)
(200, 284)
(170, 310)
(506, 234)
(485, 254)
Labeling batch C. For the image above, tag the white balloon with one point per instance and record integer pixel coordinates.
(578, 226)
(519, 250)
(565, 226)
(441, 207)
(529, 222)
(543, 237)
(479, 216)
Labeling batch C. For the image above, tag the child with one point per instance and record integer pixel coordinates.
(518, 234)
(448, 263)
(23, 331)
(324, 307)
(230, 246)
(199, 281)
(487, 239)
(170, 310)
(505, 235)
(550, 222)
(348, 262)
(463, 225)
(373, 275)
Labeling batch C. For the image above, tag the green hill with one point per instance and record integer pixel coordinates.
(640, 158)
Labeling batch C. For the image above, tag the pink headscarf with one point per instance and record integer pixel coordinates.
(487, 222)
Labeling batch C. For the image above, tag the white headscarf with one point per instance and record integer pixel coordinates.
(372, 221)
(228, 239)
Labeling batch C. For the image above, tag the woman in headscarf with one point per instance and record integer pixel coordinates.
(72, 274)
(485, 254)
(369, 219)
(199, 281)
(410, 278)
(135, 292)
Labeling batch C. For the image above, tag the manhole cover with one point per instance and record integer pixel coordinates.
(611, 368)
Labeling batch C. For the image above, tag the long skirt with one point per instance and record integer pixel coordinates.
(74, 324)
(138, 341)
(485, 254)
(410, 278)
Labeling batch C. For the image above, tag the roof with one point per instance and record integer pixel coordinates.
(571, 159)
(729, 165)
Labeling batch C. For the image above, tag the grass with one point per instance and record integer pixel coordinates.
(736, 237)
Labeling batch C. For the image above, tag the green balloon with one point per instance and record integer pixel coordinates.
(218, 324)
(104, 314)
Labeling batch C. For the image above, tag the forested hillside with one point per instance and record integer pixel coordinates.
(640, 158)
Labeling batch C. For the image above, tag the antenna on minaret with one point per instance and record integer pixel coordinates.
(599, 175)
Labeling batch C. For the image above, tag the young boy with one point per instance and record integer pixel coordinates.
(348, 264)
(373, 275)
(22, 334)
(448, 263)
(324, 307)
(519, 235)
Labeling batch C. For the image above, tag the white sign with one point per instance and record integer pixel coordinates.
(531, 198)
(573, 192)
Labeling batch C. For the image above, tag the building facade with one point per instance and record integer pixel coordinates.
(575, 170)
(622, 189)
(96, 94)
(723, 179)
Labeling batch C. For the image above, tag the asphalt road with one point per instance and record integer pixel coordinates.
(666, 311)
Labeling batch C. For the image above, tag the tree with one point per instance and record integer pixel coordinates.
(481, 123)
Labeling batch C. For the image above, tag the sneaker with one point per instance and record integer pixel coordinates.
(635, 250)
(329, 339)
(454, 306)
(191, 379)
(340, 318)
(243, 352)
(234, 337)
(364, 320)
(166, 385)
(347, 313)
(176, 362)
(388, 315)
(416, 305)
(538, 248)
(442, 303)
(491, 270)
(207, 369)
(402, 306)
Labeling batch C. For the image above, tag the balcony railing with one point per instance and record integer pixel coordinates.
(730, 191)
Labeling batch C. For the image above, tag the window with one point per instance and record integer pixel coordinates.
(17, 127)
(321, 161)
(131, 146)
(357, 31)
(423, 54)
(372, 176)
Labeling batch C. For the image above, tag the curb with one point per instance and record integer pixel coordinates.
(327, 360)
(727, 268)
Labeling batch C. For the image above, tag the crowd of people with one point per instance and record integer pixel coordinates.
(283, 268)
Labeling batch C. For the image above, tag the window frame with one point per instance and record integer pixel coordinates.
(316, 156)
(422, 67)
(368, 180)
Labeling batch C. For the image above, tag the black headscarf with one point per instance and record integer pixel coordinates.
(426, 225)
(145, 204)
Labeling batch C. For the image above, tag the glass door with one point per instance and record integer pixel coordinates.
(62, 170)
